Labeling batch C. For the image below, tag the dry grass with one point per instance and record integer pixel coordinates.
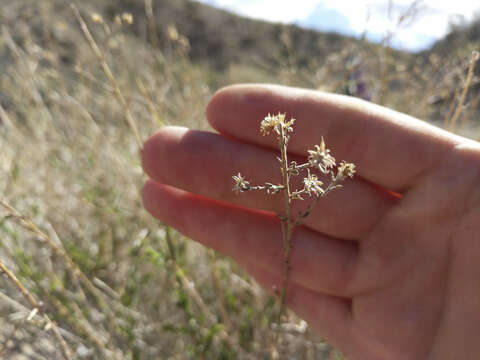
(112, 281)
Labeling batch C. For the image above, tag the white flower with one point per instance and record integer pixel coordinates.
(312, 184)
(320, 158)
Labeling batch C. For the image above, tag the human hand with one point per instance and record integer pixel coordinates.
(387, 268)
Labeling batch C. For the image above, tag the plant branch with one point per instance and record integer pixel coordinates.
(67, 353)
(287, 228)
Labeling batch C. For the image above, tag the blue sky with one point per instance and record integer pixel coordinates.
(354, 17)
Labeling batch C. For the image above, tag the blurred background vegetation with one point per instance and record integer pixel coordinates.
(88, 274)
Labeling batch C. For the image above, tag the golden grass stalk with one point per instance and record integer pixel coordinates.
(28, 224)
(152, 29)
(67, 353)
(108, 72)
(218, 288)
(185, 282)
(460, 107)
(9, 337)
(81, 326)
(287, 224)
(108, 309)
(189, 287)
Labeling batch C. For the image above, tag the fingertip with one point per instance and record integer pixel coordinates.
(148, 195)
(155, 153)
(248, 104)
(217, 103)
(147, 152)
(230, 100)
(162, 201)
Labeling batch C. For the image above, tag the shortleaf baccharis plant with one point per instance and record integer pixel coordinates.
(319, 161)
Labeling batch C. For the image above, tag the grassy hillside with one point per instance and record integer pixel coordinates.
(460, 39)
(222, 38)
(74, 233)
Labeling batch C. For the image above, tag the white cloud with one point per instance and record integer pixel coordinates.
(272, 10)
(363, 15)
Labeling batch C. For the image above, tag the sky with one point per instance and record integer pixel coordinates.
(375, 19)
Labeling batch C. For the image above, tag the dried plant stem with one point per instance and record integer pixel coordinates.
(474, 104)
(81, 326)
(287, 224)
(149, 103)
(8, 338)
(299, 220)
(451, 107)
(461, 101)
(6, 119)
(36, 95)
(189, 288)
(152, 29)
(218, 288)
(28, 224)
(108, 72)
(67, 353)
(19, 285)
(385, 63)
(16, 306)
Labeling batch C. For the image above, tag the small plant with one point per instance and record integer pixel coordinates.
(319, 161)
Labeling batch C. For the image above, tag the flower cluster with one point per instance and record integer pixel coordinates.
(312, 184)
(274, 123)
(319, 160)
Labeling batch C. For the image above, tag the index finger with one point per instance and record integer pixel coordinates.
(390, 149)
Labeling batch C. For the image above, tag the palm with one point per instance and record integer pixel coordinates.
(385, 268)
(403, 303)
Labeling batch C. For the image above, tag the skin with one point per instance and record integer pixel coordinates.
(386, 268)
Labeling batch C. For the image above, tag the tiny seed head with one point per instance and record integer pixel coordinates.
(346, 170)
(268, 124)
(320, 158)
(274, 122)
(312, 184)
(240, 184)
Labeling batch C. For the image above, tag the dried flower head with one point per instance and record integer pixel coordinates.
(97, 18)
(320, 158)
(268, 124)
(313, 185)
(241, 184)
(172, 32)
(123, 19)
(475, 56)
(127, 18)
(345, 170)
(274, 122)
